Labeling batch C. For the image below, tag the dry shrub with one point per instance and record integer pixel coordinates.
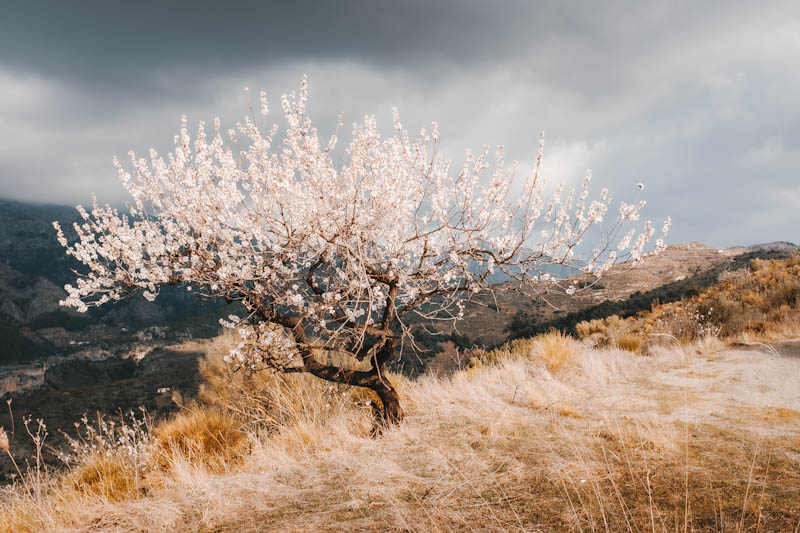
(587, 328)
(760, 302)
(613, 331)
(630, 342)
(205, 437)
(475, 357)
(557, 350)
(108, 456)
(600, 332)
(19, 513)
(682, 320)
(516, 349)
(111, 477)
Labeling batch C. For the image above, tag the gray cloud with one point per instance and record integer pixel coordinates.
(697, 100)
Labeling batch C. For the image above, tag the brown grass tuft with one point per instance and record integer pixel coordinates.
(110, 477)
(203, 436)
(630, 342)
(557, 350)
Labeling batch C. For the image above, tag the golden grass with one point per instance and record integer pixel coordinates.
(569, 412)
(630, 342)
(109, 477)
(263, 401)
(527, 440)
(557, 350)
(543, 434)
(769, 416)
(759, 303)
(671, 400)
(206, 437)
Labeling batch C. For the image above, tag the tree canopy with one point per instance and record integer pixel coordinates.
(334, 257)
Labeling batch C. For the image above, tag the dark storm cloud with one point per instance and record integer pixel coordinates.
(112, 42)
(697, 100)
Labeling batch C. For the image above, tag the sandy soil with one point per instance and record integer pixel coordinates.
(754, 387)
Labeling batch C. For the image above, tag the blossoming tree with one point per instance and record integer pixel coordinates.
(332, 258)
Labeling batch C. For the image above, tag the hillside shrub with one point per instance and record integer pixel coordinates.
(760, 300)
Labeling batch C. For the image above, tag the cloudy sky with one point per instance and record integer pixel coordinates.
(697, 100)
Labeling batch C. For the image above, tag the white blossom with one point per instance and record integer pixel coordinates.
(306, 243)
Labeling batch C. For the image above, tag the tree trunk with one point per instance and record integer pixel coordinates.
(374, 379)
(391, 412)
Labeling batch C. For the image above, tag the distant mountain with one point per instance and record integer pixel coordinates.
(33, 271)
(777, 246)
(511, 311)
(498, 277)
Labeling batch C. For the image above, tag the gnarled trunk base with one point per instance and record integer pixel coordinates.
(390, 412)
(375, 379)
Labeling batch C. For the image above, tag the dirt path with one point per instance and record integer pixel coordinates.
(754, 387)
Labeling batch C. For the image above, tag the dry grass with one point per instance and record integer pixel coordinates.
(557, 350)
(263, 401)
(769, 416)
(110, 477)
(554, 349)
(761, 303)
(206, 437)
(671, 400)
(630, 342)
(543, 435)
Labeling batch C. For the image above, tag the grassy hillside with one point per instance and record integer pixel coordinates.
(526, 326)
(543, 434)
(759, 302)
(548, 436)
